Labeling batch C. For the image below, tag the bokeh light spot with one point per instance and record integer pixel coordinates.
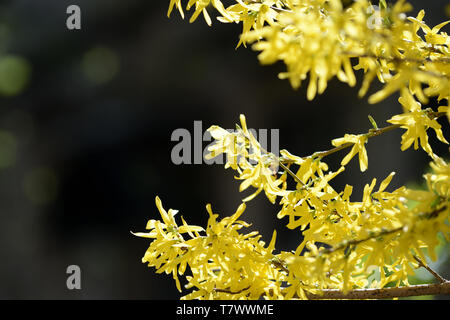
(15, 74)
(100, 65)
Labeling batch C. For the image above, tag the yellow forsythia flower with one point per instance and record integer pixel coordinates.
(345, 243)
(358, 142)
(416, 122)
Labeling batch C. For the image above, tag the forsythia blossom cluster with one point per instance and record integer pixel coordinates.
(223, 262)
(343, 241)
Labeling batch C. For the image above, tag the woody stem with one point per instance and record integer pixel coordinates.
(384, 293)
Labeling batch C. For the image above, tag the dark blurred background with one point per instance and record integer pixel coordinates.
(86, 119)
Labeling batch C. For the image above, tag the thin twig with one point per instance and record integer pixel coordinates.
(278, 161)
(434, 273)
(229, 291)
(397, 59)
(292, 174)
(372, 133)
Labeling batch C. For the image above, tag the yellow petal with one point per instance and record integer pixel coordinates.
(386, 182)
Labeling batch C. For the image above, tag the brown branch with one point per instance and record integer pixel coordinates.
(229, 291)
(434, 273)
(360, 294)
(397, 59)
(384, 293)
(372, 133)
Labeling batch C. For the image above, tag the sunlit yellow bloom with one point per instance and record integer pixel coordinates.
(256, 167)
(432, 36)
(416, 122)
(177, 4)
(234, 264)
(358, 142)
(346, 243)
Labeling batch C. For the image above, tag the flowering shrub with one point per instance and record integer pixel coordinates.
(343, 241)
